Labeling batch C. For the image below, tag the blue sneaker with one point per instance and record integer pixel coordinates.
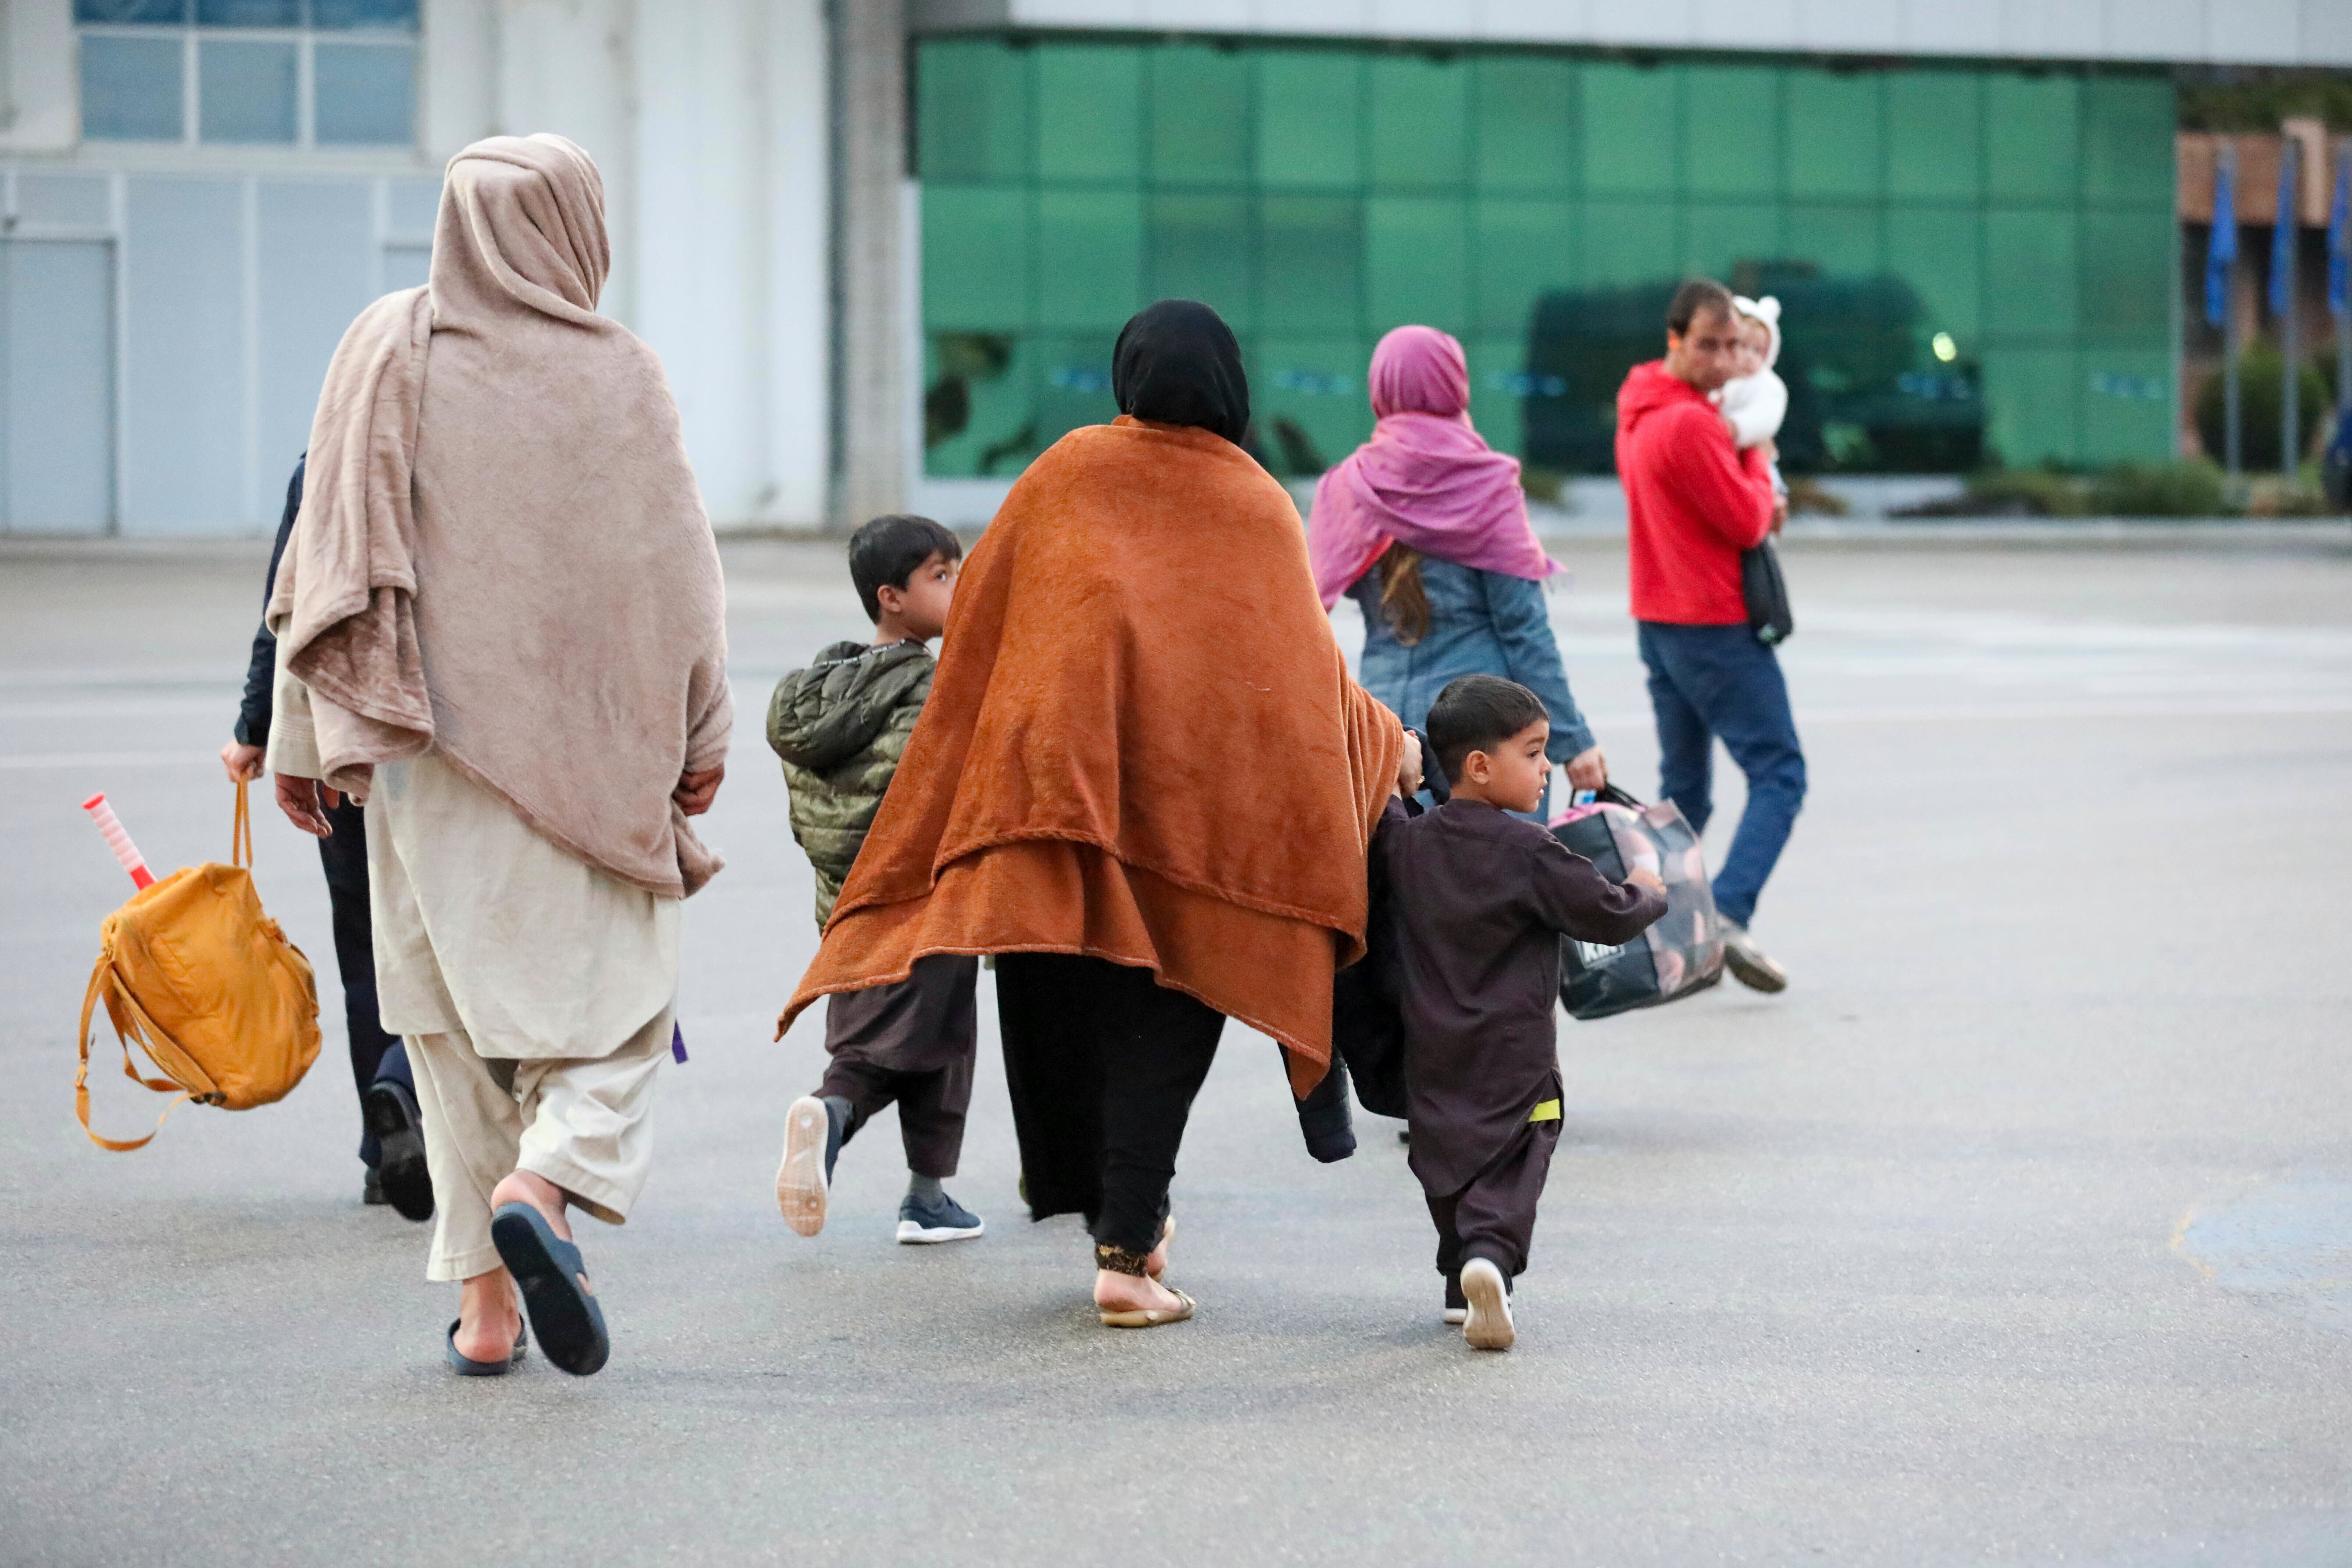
(922, 1221)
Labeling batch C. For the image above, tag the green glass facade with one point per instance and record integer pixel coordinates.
(1975, 264)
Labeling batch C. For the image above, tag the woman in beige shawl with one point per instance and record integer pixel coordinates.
(500, 620)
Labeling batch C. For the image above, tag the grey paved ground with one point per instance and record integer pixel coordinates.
(2015, 1233)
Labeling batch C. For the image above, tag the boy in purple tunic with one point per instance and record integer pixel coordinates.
(1481, 898)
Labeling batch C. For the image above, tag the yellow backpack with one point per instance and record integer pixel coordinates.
(208, 985)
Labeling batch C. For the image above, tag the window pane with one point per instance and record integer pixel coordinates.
(1308, 402)
(131, 90)
(406, 267)
(1731, 131)
(414, 205)
(63, 199)
(1421, 123)
(1721, 238)
(2127, 124)
(1938, 253)
(248, 12)
(975, 257)
(1309, 248)
(1500, 389)
(1841, 239)
(131, 11)
(340, 15)
(1200, 115)
(1523, 248)
(1935, 135)
(1417, 263)
(1088, 100)
(1523, 133)
(1307, 119)
(2030, 140)
(1628, 242)
(244, 91)
(1200, 249)
(980, 404)
(1075, 387)
(2032, 398)
(1089, 257)
(2127, 291)
(1628, 130)
(367, 94)
(2128, 407)
(2030, 272)
(1833, 123)
(973, 107)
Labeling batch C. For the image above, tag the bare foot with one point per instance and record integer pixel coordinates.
(488, 1317)
(1156, 1264)
(1132, 1293)
(528, 1187)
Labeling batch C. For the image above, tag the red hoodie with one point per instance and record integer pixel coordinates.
(1696, 501)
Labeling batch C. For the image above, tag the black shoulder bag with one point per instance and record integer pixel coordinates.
(1766, 594)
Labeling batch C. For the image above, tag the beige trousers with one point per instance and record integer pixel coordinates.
(581, 1125)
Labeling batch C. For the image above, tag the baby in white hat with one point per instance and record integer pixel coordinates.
(1755, 400)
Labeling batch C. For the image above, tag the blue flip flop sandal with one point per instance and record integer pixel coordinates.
(466, 1366)
(563, 1311)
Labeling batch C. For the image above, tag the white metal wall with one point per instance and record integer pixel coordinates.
(232, 273)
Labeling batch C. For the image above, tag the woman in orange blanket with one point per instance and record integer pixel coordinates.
(1144, 779)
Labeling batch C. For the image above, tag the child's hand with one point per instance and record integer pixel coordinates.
(1643, 876)
(1408, 779)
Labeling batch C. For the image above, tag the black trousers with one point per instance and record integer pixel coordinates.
(1102, 1062)
(374, 1054)
(911, 1044)
(1494, 1216)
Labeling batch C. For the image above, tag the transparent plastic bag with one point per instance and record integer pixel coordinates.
(1682, 952)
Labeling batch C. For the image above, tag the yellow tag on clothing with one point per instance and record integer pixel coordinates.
(1548, 1111)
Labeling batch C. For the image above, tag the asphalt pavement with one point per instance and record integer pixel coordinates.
(2016, 1232)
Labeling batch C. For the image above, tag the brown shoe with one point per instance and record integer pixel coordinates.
(1748, 964)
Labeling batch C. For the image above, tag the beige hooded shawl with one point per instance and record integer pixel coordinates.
(502, 555)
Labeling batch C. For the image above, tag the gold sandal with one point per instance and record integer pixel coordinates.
(1151, 1316)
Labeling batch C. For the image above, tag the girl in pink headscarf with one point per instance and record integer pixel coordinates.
(1425, 526)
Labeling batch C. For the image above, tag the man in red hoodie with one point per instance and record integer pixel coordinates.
(1696, 504)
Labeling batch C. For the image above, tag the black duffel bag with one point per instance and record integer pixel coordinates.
(1766, 594)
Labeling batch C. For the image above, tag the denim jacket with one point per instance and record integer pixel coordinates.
(1480, 623)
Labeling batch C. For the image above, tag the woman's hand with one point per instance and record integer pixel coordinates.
(306, 803)
(1408, 778)
(695, 792)
(242, 761)
(1588, 770)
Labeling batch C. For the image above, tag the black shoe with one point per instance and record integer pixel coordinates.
(921, 1223)
(1458, 1305)
(371, 1193)
(399, 1128)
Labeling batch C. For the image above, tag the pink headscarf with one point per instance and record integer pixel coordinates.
(1426, 479)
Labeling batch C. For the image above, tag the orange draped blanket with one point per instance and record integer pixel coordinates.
(1142, 744)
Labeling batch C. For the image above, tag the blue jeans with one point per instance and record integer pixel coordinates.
(1710, 681)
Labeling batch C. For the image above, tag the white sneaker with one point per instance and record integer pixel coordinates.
(1747, 962)
(801, 1181)
(1488, 1326)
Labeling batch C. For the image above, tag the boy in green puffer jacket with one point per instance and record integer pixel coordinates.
(841, 725)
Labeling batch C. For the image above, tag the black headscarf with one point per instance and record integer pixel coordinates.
(1177, 364)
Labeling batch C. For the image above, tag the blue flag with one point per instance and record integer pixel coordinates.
(2223, 250)
(2339, 237)
(2284, 229)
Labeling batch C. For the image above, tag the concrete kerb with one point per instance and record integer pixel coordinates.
(2321, 534)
